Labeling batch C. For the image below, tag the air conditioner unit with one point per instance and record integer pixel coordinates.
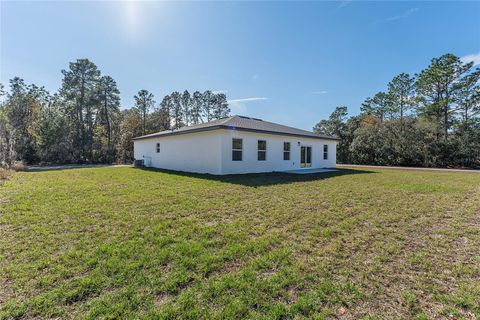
(138, 163)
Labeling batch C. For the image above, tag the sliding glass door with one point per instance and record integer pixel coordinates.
(305, 157)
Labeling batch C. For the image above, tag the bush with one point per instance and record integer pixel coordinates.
(19, 166)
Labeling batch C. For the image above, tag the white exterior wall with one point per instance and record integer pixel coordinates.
(211, 152)
(274, 160)
(195, 152)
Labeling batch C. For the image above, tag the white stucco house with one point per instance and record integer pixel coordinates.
(234, 145)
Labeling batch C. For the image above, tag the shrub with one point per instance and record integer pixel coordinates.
(19, 166)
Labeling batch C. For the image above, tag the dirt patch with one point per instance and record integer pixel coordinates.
(160, 300)
(292, 295)
(231, 266)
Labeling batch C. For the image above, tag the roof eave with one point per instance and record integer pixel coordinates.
(281, 133)
(173, 133)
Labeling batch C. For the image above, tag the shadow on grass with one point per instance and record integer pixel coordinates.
(262, 179)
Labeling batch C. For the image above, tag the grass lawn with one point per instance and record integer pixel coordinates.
(130, 243)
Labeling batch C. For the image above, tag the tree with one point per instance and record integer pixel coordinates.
(207, 101)
(166, 106)
(7, 139)
(23, 107)
(468, 153)
(468, 97)
(196, 108)
(53, 133)
(15, 120)
(176, 111)
(159, 120)
(144, 102)
(2, 92)
(109, 102)
(336, 125)
(131, 127)
(185, 102)
(220, 107)
(382, 144)
(78, 93)
(378, 106)
(401, 92)
(438, 87)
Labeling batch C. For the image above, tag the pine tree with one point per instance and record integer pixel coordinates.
(176, 111)
(78, 90)
(439, 86)
(109, 109)
(468, 98)
(144, 102)
(220, 106)
(185, 102)
(207, 105)
(401, 92)
(378, 106)
(196, 108)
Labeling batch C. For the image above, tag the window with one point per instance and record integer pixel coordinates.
(286, 151)
(158, 147)
(262, 150)
(237, 147)
(325, 151)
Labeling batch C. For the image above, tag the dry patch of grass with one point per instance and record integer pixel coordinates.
(130, 243)
(5, 174)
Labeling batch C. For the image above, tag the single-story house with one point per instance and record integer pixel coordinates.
(236, 144)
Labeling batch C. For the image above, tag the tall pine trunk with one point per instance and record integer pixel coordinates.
(144, 120)
(109, 134)
(81, 134)
(445, 119)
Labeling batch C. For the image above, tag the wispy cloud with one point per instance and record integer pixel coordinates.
(219, 91)
(239, 106)
(404, 15)
(475, 58)
(247, 99)
(318, 92)
(344, 3)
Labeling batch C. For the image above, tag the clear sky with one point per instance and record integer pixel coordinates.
(287, 62)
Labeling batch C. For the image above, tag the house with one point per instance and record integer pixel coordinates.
(236, 144)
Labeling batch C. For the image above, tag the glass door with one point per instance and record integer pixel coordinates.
(305, 157)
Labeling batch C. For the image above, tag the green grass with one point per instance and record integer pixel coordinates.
(128, 243)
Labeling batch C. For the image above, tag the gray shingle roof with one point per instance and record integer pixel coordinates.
(240, 123)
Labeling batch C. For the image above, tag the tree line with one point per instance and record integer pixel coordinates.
(84, 123)
(430, 119)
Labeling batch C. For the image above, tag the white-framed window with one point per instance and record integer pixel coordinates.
(286, 151)
(237, 149)
(157, 147)
(262, 150)
(325, 151)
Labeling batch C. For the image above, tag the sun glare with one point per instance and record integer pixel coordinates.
(137, 16)
(131, 14)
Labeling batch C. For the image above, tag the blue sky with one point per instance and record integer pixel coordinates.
(288, 62)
